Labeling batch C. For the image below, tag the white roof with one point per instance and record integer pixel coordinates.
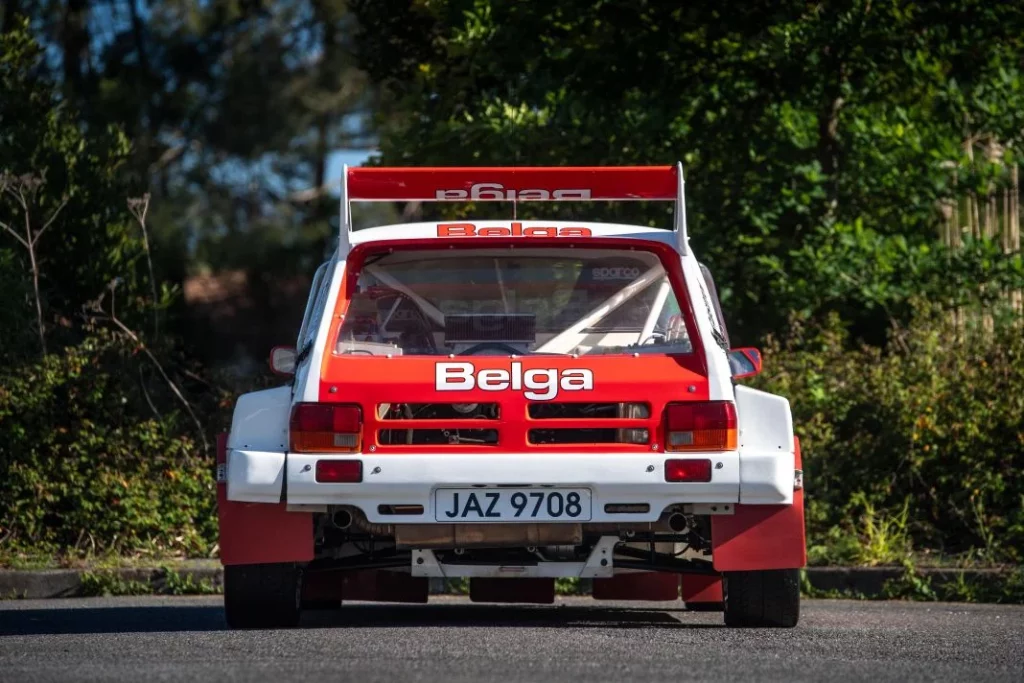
(411, 231)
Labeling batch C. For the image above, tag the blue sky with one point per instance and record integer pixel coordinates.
(340, 157)
(107, 20)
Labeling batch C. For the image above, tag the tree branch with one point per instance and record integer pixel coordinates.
(19, 188)
(13, 234)
(128, 332)
(142, 385)
(48, 223)
(139, 208)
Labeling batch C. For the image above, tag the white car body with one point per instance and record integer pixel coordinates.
(261, 470)
(607, 400)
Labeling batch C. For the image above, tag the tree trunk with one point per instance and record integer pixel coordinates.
(321, 152)
(1015, 227)
(137, 36)
(74, 41)
(828, 148)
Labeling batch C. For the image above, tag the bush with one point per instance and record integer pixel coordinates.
(920, 442)
(94, 455)
(87, 468)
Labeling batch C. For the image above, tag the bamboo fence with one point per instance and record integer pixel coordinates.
(994, 215)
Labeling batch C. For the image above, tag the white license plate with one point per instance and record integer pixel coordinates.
(512, 504)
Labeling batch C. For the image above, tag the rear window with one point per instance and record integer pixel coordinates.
(502, 301)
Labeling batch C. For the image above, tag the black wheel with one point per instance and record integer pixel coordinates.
(767, 598)
(262, 595)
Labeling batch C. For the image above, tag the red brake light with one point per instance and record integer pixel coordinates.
(325, 427)
(347, 419)
(339, 471)
(687, 470)
(312, 417)
(700, 426)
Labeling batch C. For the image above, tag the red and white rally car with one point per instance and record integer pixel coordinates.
(512, 401)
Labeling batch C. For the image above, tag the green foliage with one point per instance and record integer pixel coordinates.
(885, 539)
(97, 454)
(823, 144)
(1001, 588)
(870, 538)
(176, 583)
(83, 469)
(790, 127)
(164, 581)
(569, 585)
(808, 590)
(104, 583)
(918, 444)
(90, 242)
(866, 276)
(235, 109)
(909, 586)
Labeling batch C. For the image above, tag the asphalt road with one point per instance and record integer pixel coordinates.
(451, 640)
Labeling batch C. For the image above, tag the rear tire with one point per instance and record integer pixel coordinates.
(262, 595)
(766, 598)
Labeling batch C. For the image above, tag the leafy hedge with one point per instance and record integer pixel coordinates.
(94, 455)
(917, 445)
(914, 447)
(84, 470)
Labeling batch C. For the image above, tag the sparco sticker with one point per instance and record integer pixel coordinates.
(537, 384)
(623, 273)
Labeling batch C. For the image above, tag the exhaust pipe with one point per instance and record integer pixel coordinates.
(341, 518)
(677, 522)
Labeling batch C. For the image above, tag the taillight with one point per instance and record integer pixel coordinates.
(339, 471)
(700, 426)
(325, 428)
(687, 470)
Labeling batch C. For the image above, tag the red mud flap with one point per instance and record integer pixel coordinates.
(258, 533)
(540, 591)
(701, 592)
(654, 586)
(761, 536)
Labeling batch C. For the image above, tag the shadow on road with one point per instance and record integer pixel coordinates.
(511, 616)
(112, 620)
(172, 618)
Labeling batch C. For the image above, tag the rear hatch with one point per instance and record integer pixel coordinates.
(513, 348)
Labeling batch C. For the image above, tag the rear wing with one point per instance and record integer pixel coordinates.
(519, 184)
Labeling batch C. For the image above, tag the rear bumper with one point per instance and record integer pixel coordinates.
(411, 479)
